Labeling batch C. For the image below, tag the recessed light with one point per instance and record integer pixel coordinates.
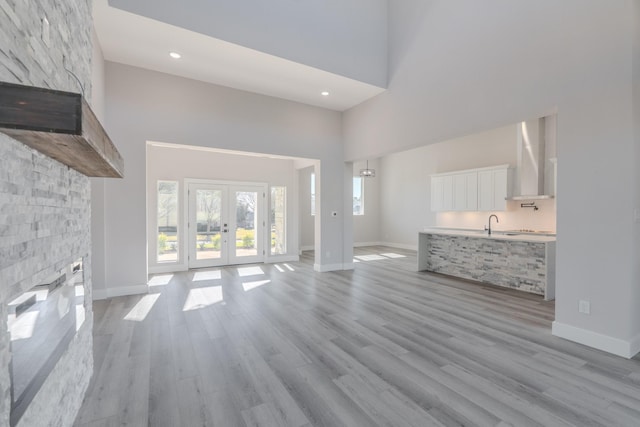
(324, 93)
(175, 55)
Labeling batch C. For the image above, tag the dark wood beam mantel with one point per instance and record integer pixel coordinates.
(60, 125)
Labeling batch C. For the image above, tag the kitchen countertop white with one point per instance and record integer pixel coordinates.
(495, 234)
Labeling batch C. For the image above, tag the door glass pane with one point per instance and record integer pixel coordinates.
(168, 221)
(278, 212)
(208, 212)
(246, 244)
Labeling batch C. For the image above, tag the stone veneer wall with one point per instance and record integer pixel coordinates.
(508, 263)
(45, 209)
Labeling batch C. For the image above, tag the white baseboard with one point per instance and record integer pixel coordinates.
(307, 248)
(617, 346)
(400, 246)
(323, 268)
(282, 258)
(363, 244)
(169, 268)
(99, 294)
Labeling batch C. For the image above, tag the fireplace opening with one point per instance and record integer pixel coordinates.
(42, 322)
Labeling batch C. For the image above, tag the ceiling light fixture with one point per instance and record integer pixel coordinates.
(367, 173)
(324, 93)
(175, 55)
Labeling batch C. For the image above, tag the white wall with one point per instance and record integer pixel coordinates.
(180, 163)
(147, 106)
(635, 293)
(345, 37)
(307, 221)
(366, 228)
(98, 237)
(406, 212)
(461, 67)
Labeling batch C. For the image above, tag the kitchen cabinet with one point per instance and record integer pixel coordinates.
(482, 189)
(465, 191)
(442, 193)
(494, 186)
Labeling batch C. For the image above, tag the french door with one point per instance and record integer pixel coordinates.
(226, 223)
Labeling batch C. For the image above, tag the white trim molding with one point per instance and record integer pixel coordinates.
(167, 268)
(400, 246)
(274, 259)
(617, 346)
(324, 268)
(99, 294)
(363, 244)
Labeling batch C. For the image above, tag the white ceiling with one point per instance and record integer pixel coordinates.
(142, 42)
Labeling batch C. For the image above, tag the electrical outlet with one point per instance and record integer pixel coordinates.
(584, 307)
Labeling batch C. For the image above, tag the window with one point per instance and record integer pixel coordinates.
(358, 195)
(278, 220)
(313, 194)
(167, 221)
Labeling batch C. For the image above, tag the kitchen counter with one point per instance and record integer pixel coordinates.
(495, 234)
(523, 261)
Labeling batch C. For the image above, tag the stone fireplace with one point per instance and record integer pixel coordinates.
(45, 213)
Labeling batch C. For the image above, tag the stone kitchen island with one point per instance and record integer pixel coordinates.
(514, 260)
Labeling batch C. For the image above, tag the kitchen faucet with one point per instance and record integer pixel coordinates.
(488, 230)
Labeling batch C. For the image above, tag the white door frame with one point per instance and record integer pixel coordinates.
(260, 225)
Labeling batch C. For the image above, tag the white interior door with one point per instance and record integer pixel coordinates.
(247, 223)
(226, 223)
(208, 225)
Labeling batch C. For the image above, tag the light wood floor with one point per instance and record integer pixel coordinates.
(381, 345)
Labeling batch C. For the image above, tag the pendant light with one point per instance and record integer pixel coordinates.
(367, 173)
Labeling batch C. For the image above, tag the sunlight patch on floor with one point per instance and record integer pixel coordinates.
(200, 276)
(369, 257)
(250, 271)
(247, 286)
(198, 298)
(161, 280)
(289, 267)
(393, 255)
(141, 310)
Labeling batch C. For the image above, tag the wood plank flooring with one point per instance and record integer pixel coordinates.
(382, 345)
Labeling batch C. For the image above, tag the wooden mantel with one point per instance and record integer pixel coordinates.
(60, 125)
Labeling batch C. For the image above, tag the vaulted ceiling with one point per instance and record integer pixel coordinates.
(294, 49)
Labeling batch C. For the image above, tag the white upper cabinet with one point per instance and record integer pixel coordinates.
(482, 189)
(437, 193)
(465, 191)
(494, 186)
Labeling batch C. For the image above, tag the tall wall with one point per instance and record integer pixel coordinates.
(44, 206)
(366, 228)
(178, 164)
(306, 220)
(462, 67)
(146, 106)
(404, 213)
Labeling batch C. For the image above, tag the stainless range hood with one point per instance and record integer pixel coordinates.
(531, 168)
